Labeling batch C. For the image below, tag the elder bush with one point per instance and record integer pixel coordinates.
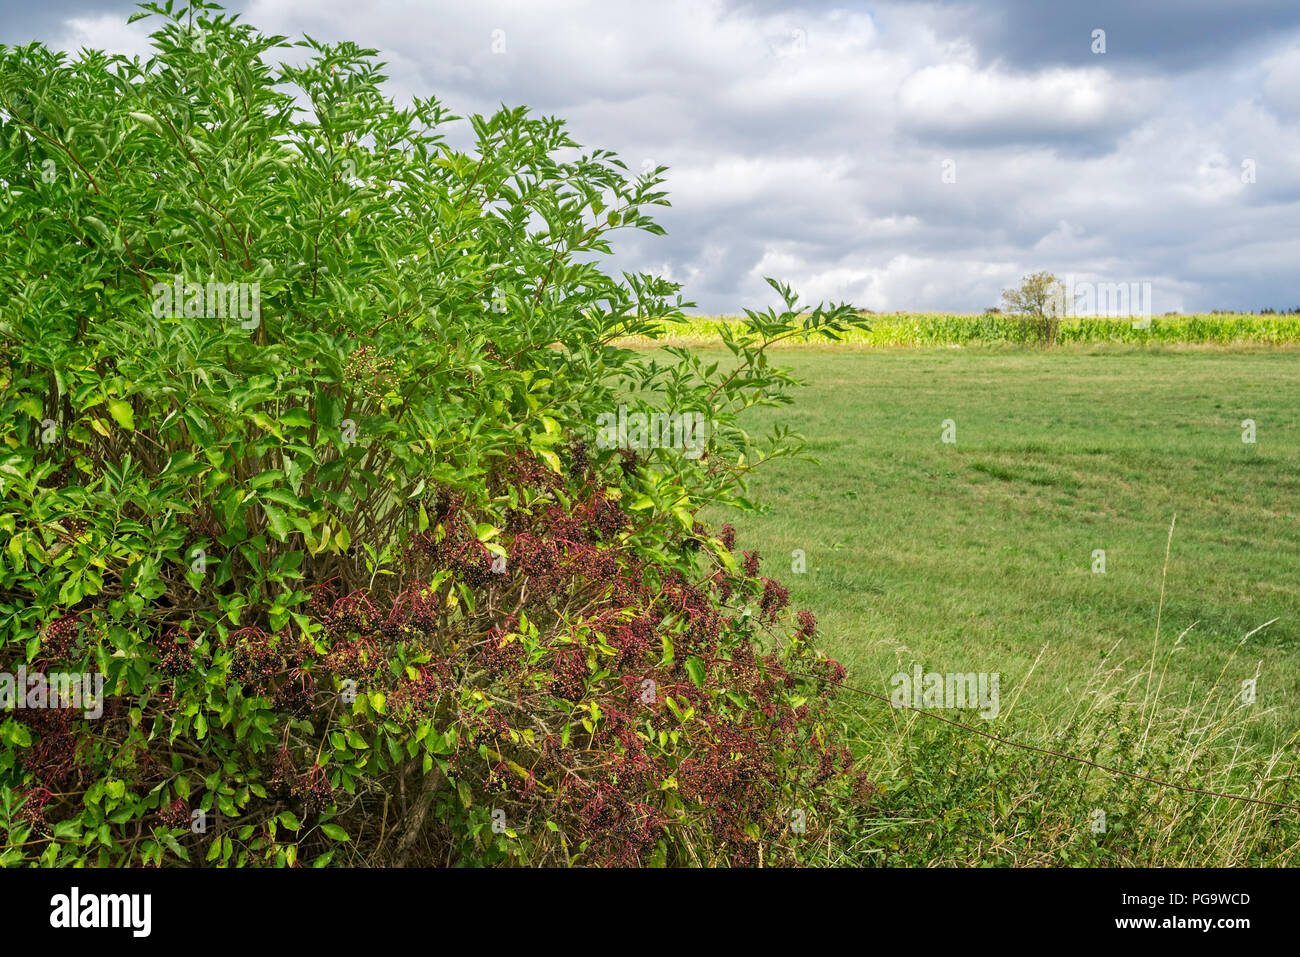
(298, 450)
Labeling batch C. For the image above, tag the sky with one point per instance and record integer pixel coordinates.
(896, 155)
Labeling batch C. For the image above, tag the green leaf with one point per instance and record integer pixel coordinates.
(281, 496)
(144, 118)
(279, 525)
(335, 832)
(176, 848)
(121, 413)
(14, 734)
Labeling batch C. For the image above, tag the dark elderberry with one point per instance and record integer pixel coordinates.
(569, 676)
(314, 789)
(59, 638)
(807, 625)
(297, 694)
(579, 463)
(775, 598)
(176, 814)
(32, 812)
(629, 461)
(255, 661)
(176, 653)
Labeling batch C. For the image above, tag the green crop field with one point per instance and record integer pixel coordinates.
(940, 329)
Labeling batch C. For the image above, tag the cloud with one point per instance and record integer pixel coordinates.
(1165, 36)
(958, 104)
(47, 20)
(106, 31)
(810, 141)
(1281, 84)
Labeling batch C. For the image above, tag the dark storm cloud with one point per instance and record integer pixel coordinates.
(1158, 35)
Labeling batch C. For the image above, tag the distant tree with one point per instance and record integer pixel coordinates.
(1039, 301)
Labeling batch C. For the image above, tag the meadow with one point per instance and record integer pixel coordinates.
(981, 555)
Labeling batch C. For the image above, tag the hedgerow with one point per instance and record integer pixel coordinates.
(299, 450)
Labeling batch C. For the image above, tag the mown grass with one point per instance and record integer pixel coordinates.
(977, 557)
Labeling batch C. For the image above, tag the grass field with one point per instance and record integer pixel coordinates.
(978, 555)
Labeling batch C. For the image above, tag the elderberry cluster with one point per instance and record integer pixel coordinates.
(59, 638)
(297, 695)
(775, 598)
(175, 815)
(32, 813)
(176, 653)
(313, 789)
(256, 661)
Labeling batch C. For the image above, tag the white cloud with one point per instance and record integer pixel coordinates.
(106, 31)
(958, 100)
(806, 141)
(1281, 83)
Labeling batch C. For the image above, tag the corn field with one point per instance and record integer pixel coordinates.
(955, 329)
